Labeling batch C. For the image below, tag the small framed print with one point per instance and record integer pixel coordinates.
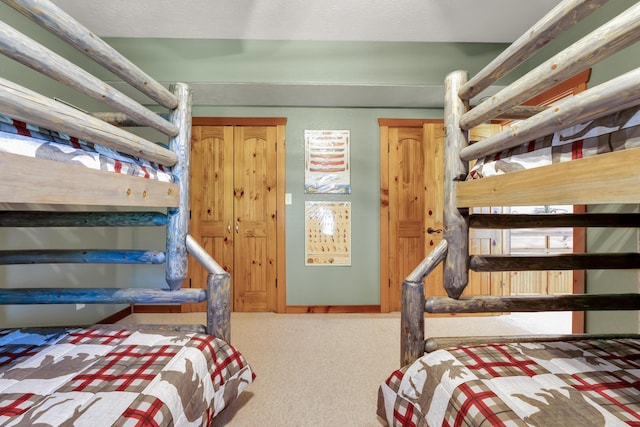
(327, 233)
(327, 168)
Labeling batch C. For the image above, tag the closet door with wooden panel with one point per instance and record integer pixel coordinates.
(411, 210)
(235, 197)
(411, 203)
(254, 226)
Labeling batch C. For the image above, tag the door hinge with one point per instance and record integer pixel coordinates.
(189, 282)
(389, 281)
(276, 283)
(189, 213)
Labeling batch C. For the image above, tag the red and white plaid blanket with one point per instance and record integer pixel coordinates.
(116, 377)
(578, 383)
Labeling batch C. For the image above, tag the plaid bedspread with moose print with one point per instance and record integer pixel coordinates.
(577, 383)
(104, 376)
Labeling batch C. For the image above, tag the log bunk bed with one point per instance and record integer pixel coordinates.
(575, 379)
(105, 374)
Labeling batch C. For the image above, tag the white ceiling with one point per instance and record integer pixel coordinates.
(329, 20)
(499, 21)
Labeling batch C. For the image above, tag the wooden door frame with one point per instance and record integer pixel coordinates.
(280, 123)
(384, 125)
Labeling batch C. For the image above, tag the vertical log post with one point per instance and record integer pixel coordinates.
(412, 322)
(455, 221)
(219, 306)
(178, 218)
(218, 292)
(412, 318)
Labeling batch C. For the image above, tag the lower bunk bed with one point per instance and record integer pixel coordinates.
(504, 382)
(106, 375)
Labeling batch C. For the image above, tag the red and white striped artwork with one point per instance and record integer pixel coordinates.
(327, 161)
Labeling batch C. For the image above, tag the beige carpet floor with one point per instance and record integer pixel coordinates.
(325, 369)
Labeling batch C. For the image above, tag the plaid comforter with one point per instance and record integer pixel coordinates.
(616, 132)
(116, 377)
(579, 383)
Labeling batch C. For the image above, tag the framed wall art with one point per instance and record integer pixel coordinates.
(327, 233)
(327, 168)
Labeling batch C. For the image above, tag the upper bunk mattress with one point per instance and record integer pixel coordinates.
(591, 382)
(18, 137)
(114, 376)
(616, 132)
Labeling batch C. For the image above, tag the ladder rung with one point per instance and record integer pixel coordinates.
(554, 262)
(101, 296)
(496, 304)
(81, 219)
(58, 256)
(502, 221)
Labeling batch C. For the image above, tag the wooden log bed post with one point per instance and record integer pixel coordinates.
(455, 221)
(178, 218)
(454, 248)
(218, 292)
(219, 305)
(412, 320)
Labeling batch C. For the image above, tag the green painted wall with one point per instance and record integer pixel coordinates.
(303, 61)
(359, 283)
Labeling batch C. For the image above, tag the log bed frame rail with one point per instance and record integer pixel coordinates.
(79, 186)
(603, 179)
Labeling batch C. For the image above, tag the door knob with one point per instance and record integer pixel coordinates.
(432, 230)
(229, 228)
(237, 226)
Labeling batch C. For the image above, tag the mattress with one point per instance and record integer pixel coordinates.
(18, 137)
(616, 132)
(591, 382)
(112, 376)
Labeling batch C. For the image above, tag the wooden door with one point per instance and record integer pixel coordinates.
(412, 199)
(236, 191)
(211, 190)
(254, 198)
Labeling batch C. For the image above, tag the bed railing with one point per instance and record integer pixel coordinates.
(218, 291)
(103, 128)
(51, 17)
(614, 183)
(31, 107)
